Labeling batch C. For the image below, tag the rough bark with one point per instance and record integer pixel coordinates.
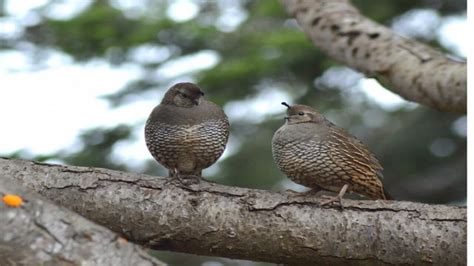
(41, 233)
(216, 220)
(409, 68)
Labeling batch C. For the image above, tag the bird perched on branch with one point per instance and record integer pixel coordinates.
(317, 154)
(186, 133)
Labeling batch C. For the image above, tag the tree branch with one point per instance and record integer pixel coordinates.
(411, 69)
(216, 220)
(40, 233)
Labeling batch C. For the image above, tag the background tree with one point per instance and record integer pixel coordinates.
(258, 54)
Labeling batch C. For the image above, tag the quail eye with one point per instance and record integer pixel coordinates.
(184, 95)
(300, 113)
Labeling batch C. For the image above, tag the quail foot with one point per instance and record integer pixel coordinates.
(315, 153)
(186, 133)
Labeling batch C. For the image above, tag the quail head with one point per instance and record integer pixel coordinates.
(317, 154)
(186, 133)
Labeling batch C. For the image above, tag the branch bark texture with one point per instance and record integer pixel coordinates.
(41, 233)
(216, 220)
(411, 69)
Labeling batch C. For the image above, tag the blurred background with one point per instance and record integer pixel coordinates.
(78, 78)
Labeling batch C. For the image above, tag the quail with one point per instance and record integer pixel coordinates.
(186, 133)
(317, 154)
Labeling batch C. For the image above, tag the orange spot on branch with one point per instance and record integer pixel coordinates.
(12, 200)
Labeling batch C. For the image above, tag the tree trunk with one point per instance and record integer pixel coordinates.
(40, 233)
(411, 69)
(216, 220)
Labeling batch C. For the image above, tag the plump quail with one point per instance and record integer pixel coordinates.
(186, 133)
(317, 154)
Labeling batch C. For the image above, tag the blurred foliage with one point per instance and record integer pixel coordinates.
(96, 147)
(266, 50)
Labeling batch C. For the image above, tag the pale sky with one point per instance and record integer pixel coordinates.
(44, 110)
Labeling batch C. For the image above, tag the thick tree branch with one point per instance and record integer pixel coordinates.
(40, 233)
(216, 220)
(411, 69)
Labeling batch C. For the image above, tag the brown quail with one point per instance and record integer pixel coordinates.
(317, 154)
(186, 133)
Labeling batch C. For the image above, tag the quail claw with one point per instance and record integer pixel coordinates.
(331, 200)
(188, 180)
(337, 198)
